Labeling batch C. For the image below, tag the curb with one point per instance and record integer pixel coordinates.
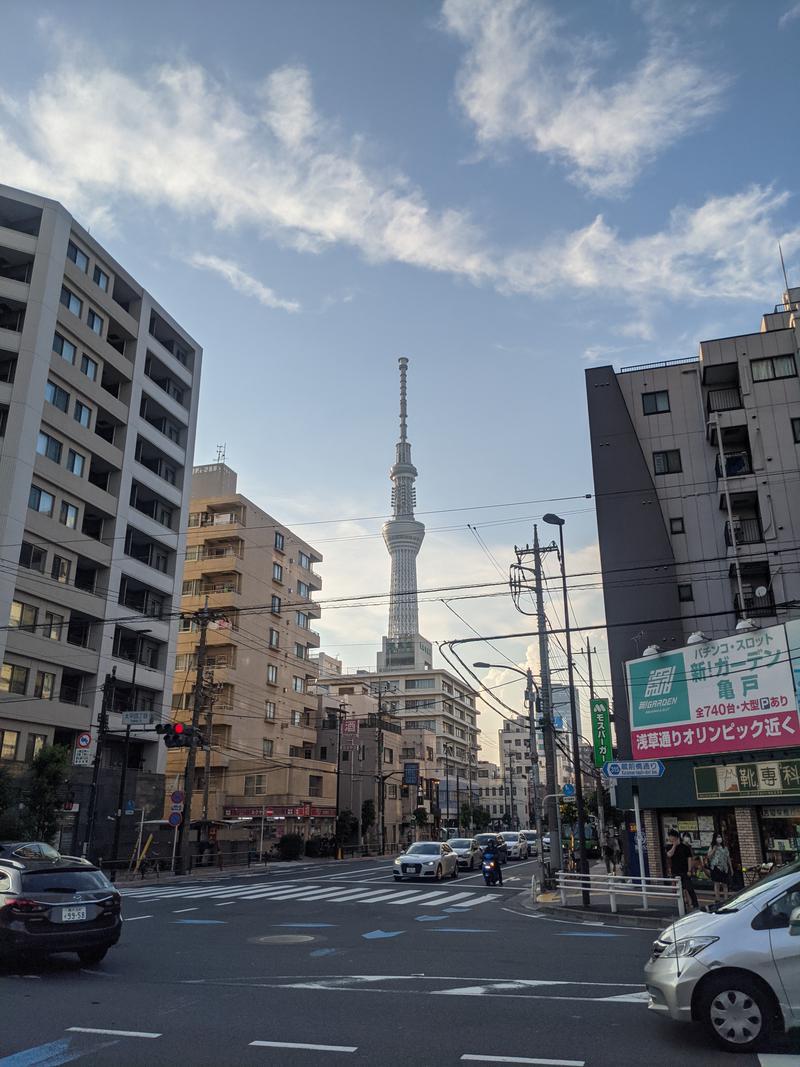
(577, 914)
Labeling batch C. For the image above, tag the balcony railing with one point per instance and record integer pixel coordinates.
(753, 606)
(724, 399)
(746, 532)
(736, 464)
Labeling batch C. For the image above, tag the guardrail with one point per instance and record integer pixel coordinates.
(618, 885)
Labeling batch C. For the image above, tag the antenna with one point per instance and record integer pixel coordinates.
(221, 453)
(783, 268)
(403, 363)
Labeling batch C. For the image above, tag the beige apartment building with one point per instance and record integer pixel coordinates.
(259, 578)
(98, 405)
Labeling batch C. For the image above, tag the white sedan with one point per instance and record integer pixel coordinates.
(516, 844)
(426, 859)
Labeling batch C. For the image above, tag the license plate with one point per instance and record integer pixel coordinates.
(411, 870)
(73, 915)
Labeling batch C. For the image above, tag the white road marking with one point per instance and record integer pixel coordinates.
(385, 894)
(451, 897)
(135, 918)
(777, 1059)
(524, 1059)
(180, 911)
(224, 904)
(483, 899)
(114, 1033)
(415, 897)
(300, 1044)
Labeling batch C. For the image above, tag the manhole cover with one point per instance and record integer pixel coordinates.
(282, 939)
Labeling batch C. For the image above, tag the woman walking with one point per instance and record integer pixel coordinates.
(720, 868)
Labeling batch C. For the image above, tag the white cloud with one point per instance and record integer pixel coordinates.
(526, 78)
(789, 16)
(242, 282)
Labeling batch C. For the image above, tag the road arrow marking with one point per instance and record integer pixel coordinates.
(374, 934)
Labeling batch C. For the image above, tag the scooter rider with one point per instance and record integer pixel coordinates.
(492, 852)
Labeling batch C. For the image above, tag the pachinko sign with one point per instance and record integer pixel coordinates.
(736, 694)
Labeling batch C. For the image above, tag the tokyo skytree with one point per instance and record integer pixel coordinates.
(402, 533)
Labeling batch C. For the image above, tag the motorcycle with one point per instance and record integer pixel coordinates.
(490, 872)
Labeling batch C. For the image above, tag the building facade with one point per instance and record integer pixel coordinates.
(259, 578)
(98, 405)
(491, 795)
(698, 507)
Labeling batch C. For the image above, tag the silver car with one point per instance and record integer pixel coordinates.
(533, 841)
(516, 845)
(426, 859)
(736, 970)
(468, 851)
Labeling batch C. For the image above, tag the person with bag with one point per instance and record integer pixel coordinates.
(720, 868)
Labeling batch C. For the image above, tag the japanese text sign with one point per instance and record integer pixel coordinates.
(748, 780)
(601, 731)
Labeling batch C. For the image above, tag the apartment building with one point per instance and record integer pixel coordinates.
(698, 509)
(259, 578)
(490, 790)
(98, 404)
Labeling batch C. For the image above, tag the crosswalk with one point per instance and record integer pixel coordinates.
(422, 897)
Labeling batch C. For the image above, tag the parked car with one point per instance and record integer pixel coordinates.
(468, 851)
(533, 841)
(499, 844)
(736, 970)
(56, 905)
(516, 845)
(426, 859)
(28, 850)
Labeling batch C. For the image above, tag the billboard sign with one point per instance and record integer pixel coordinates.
(410, 774)
(350, 727)
(734, 694)
(601, 731)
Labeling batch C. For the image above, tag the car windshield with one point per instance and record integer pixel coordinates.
(460, 842)
(753, 891)
(63, 881)
(485, 839)
(423, 848)
(510, 837)
(529, 835)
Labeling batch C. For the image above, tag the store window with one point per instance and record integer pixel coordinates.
(780, 833)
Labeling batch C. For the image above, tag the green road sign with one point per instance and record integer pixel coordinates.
(601, 731)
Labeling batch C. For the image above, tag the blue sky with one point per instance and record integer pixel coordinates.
(504, 191)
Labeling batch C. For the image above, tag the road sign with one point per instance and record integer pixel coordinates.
(130, 807)
(601, 730)
(83, 740)
(176, 796)
(175, 819)
(634, 768)
(410, 774)
(176, 807)
(350, 726)
(568, 789)
(137, 718)
(81, 757)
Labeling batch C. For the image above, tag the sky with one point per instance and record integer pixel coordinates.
(504, 191)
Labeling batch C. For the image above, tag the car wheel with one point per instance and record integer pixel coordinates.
(397, 878)
(92, 955)
(439, 873)
(454, 875)
(737, 1012)
(472, 863)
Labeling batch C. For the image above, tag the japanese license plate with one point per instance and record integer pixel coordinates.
(73, 915)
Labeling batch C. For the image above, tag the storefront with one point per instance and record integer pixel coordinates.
(698, 828)
(780, 833)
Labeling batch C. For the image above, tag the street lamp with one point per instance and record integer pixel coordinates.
(534, 705)
(343, 706)
(556, 520)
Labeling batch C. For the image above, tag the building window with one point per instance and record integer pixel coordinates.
(277, 572)
(13, 679)
(298, 684)
(419, 683)
(101, 279)
(52, 626)
(70, 301)
(34, 746)
(676, 525)
(9, 739)
(255, 785)
(303, 590)
(94, 322)
(276, 605)
(274, 638)
(279, 540)
(272, 674)
(82, 414)
(89, 367)
(44, 685)
(39, 500)
(388, 755)
(75, 462)
(655, 403)
(668, 462)
(69, 515)
(300, 651)
(57, 396)
(685, 593)
(296, 718)
(66, 349)
(796, 430)
(266, 746)
(764, 370)
(80, 259)
(48, 446)
(302, 619)
(60, 569)
(304, 561)
(23, 616)
(269, 710)
(32, 557)
(315, 785)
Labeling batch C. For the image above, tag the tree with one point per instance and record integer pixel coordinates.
(481, 817)
(43, 796)
(420, 819)
(290, 846)
(9, 814)
(346, 826)
(367, 816)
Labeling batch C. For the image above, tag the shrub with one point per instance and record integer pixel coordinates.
(290, 846)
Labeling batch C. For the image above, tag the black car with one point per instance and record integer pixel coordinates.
(499, 845)
(55, 905)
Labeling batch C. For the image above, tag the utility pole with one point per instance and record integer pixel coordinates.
(534, 711)
(123, 777)
(343, 706)
(446, 748)
(203, 616)
(102, 727)
(380, 781)
(601, 815)
(213, 688)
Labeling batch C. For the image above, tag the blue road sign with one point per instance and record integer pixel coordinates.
(568, 789)
(175, 818)
(634, 768)
(130, 807)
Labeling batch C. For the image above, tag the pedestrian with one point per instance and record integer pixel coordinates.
(608, 855)
(680, 856)
(720, 868)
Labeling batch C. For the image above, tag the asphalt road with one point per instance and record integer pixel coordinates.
(325, 963)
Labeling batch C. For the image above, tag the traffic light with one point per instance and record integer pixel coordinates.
(176, 734)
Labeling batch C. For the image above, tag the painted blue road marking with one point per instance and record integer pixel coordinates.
(373, 934)
(323, 952)
(52, 1054)
(430, 918)
(587, 933)
(200, 922)
(460, 930)
(305, 926)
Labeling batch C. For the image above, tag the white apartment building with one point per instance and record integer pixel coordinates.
(98, 404)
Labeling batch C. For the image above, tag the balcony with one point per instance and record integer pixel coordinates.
(724, 399)
(746, 532)
(736, 464)
(753, 606)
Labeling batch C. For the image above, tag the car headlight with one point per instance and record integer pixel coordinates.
(397, 862)
(429, 863)
(686, 946)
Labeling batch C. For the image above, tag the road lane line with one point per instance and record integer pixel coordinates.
(135, 918)
(112, 1033)
(226, 903)
(524, 1059)
(414, 896)
(180, 911)
(300, 1044)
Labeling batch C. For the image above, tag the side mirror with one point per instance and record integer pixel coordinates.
(794, 923)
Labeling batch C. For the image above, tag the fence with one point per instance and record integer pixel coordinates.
(618, 885)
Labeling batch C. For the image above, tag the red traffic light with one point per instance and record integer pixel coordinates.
(179, 728)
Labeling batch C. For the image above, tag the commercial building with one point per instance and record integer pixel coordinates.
(259, 578)
(698, 508)
(490, 792)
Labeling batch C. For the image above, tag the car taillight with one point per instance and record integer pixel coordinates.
(24, 905)
(113, 903)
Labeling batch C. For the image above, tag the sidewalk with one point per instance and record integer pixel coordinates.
(207, 874)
